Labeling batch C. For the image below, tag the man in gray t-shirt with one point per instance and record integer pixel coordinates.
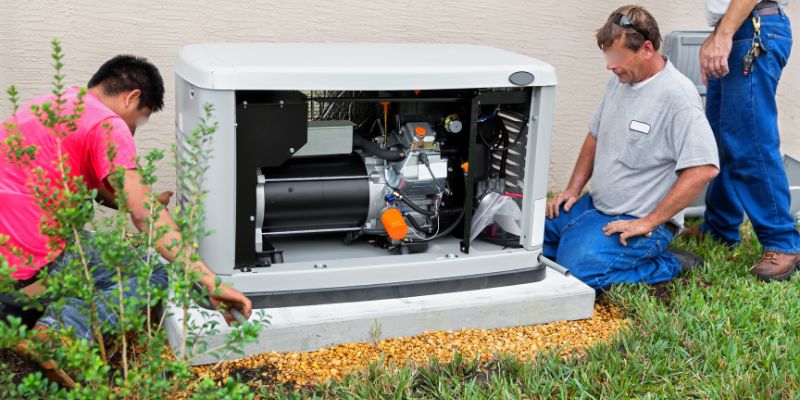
(649, 152)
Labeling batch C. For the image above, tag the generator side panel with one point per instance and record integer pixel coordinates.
(271, 126)
(537, 163)
(218, 249)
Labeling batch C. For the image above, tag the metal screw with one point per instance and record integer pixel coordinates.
(291, 150)
(252, 218)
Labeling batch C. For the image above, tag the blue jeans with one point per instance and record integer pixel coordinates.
(575, 239)
(744, 117)
(74, 314)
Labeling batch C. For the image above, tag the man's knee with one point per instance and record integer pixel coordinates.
(586, 263)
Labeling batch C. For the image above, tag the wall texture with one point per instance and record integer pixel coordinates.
(559, 32)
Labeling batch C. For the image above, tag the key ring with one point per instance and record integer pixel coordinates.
(756, 24)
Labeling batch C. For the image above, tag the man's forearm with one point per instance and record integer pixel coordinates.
(688, 186)
(736, 14)
(584, 166)
(167, 249)
(140, 204)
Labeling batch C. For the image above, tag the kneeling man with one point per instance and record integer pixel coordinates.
(649, 152)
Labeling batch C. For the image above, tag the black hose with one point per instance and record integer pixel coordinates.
(424, 158)
(375, 150)
(446, 231)
(414, 223)
(504, 158)
(415, 207)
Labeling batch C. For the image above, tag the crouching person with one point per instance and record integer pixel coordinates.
(649, 152)
(121, 96)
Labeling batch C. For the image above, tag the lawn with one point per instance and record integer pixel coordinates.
(715, 332)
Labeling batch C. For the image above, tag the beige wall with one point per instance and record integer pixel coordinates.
(559, 32)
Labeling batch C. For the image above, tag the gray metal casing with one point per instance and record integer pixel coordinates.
(683, 50)
(327, 138)
(331, 265)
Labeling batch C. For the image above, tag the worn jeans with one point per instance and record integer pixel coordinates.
(74, 313)
(744, 117)
(576, 240)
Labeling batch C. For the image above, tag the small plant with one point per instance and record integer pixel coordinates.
(130, 356)
(375, 333)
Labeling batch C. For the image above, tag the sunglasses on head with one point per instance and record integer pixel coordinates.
(624, 22)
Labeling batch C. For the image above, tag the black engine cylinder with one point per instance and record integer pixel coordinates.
(316, 193)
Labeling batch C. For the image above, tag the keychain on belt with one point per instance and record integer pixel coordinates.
(756, 47)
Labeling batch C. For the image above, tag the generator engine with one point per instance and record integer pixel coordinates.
(390, 187)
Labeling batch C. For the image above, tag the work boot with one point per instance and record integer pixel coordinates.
(687, 259)
(693, 232)
(696, 233)
(775, 266)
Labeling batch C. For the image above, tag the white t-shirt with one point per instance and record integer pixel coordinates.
(639, 85)
(715, 9)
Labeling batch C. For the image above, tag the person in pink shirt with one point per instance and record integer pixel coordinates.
(121, 96)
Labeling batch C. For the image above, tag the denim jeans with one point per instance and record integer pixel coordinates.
(576, 240)
(744, 117)
(74, 314)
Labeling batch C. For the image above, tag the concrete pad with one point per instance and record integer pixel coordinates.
(305, 328)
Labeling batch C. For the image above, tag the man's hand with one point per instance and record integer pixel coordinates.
(629, 228)
(227, 298)
(714, 56)
(164, 197)
(567, 197)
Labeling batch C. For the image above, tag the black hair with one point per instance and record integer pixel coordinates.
(126, 72)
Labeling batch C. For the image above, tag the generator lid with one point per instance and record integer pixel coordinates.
(357, 66)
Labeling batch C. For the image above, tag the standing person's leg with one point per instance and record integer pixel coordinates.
(749, 135)
(600, 261)
(771, 216)
(554, 227)
(724, 212)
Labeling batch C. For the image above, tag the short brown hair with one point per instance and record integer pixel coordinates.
(639, 17)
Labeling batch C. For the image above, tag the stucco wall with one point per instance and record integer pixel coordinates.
(559, 32)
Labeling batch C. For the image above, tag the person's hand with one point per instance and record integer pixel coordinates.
(567, 198)
(225, 298)
(714, 56)
(164, 197)
(629, 228)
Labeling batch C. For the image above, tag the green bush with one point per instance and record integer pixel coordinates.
(137, 362)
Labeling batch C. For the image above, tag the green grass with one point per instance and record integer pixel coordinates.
(715, 332)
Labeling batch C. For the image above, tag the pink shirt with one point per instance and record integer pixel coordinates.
(86, 152)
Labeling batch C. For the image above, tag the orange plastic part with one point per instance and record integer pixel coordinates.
(465, 167)
(394, 223)
(420, 131)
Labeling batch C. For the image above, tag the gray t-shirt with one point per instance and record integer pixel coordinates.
(645, 136)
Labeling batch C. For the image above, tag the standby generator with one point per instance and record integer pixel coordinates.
(353, 172)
